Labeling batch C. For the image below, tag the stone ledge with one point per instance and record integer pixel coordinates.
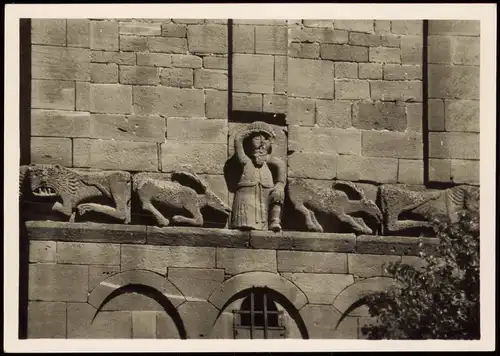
(201, 237)
(394, 245)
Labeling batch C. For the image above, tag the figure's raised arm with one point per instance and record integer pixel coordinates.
(280, 169)
(238, 147)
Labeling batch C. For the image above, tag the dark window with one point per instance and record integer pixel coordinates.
(258, 318)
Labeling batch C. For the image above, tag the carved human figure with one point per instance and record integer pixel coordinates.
(259, 196)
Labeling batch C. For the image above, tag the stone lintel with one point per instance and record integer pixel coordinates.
(395, 245)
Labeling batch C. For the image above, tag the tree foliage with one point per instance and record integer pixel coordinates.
(439, 300)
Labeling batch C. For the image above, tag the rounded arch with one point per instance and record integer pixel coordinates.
(244, 281)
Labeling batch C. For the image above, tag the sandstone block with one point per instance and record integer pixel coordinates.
(395, 245)
(385, 55)
(462, 115)
(355, 25)
(52, 94)
(97, 274)
(321, 321)
(196, 283)
(174, 30)
(370, 71)
(78, 33)
(196, 130)
(439, 49)
(301, 111)
(440, 170)
(392, 144)
(186, 61)
(206, 237)
(166, 327)
(46, 320)
(198, 317)
(271, 40)
(127, 128)
(215, 62)
(411, 49)
(321, 288)
(169, 101)
(88, 253)
(206, 158)
(366, 265)
(275, 103)
(382, 26)
(407, 27)
(396, 90)
(436, 115)
(312, 262)
(260, 22)
(390, 40)
(210, 79)
(189, 21)
(454, 145)
(280, 74)
(373, 169)
(402, 72)
(243, 39)
(304, 50)
(139, 75)
(344, 53)
(311, 78)
(177, 77)
(59, 123)
(411, 172)
(318, 23)
(111, 98)
(104, 35)
(333, 113)
(144, 324)
(133, 43)
(106, 325)
(216, 104)
(280, 148)
(154, 59)
(53, 282)
(379, 116)
(352, 89)
(50, 62)
(133, 301)
(466, 50)
(48, 32)
(346, 70)
(312, 165)
(167, 45)
(51, 150)
(364, 39)
(81, 152)
(104, 73)
(236, 261)
(324, 139)
(414, 116)
(140, 28)
(125, 58)
(253, 73)
(453, 82)
(454, 27)
(465, 172)
(247, 102)
(321, 35)
(42, 251)
(207, 39)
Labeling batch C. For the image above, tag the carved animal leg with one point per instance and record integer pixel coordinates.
(103, 209)
(148, 206)
(354, 222)
(394, 225)
(196, 220)
(311, 222)
(366, 228)
(120, 191)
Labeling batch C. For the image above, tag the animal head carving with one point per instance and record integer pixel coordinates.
(50, 180)
(372, 209)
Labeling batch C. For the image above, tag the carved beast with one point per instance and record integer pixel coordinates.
(77, 188)
(192, 195)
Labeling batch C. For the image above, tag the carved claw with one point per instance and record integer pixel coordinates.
(83, 208)
(178, 219)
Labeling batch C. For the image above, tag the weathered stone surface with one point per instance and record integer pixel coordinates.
(439, 49)
(210, 79)
(132, 301)
(312, 262)
(321, 288)
(48, 32)
(396, 90)
(78, 33)
(253, 73)
(275, 103)
(88, 253)
(364, 39)
(414, 116)
(379, 116)
(198, 318)
(186, 61)
(206, 158)
(158, 258)
(174, 30)
(97, 274)
(301, 111)
(139, 75)
(177, 77)
(51, 150)
(46, 320)
(168, 101)
(196, 130)
(104, 73)
(436, 115)
(382, 26)
(373, 169)
(110, 98)
(392, 144)
(196, 283)
(236, 261)
(453, 82)
(165, 327)
(355, 25)
(271, 40)
(466, 172)
(402, 72)
(440, 170)
(321, 322)
(366, 265)
(312, 165)
(466, 50)
(144, 324)
(53, 282)
(344, 53)
(127, 128)
(385, 55)
(216, 104)
(346, 70)
(370, 70)
(133, 43)
(247, 102)
(215, 62)
(390, 40)
(59, 123)
(260, 22)
(407, 27)
(280, 74)
(462, 115)
(321, 35)
(52, 94)
(243, 39)
(318, 23)
(167, 45)
(454, 145)
(63, 63)
(42, 251)
(113, 57)
(207, 39)
(85, 232)
(394, 245)
(106, 325)
(304, 50)
(352, 89)
(81, 152)
(303, 241)
(154, 59)
(411, 171)
(454, 27)
(411, 49)
(140, 28)
(311, 78)
(324, 139)
(104, 35)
